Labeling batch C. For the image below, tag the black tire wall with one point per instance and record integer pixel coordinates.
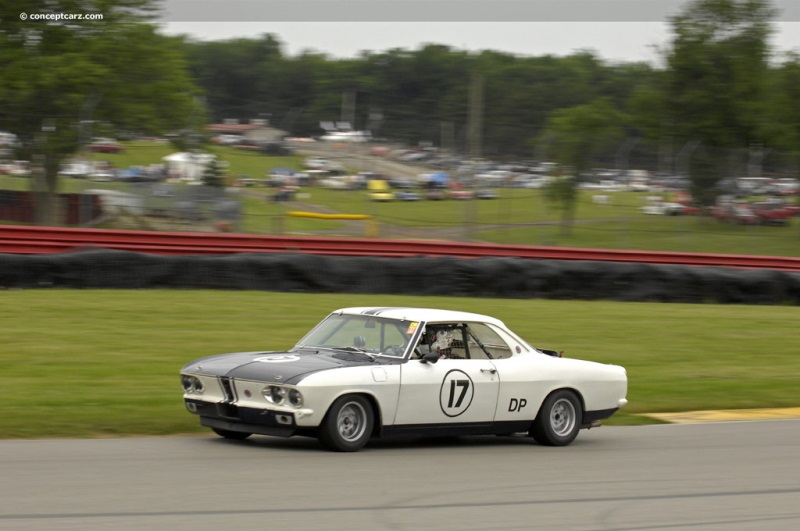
(477, 277)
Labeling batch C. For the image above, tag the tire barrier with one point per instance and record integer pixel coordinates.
(422, 275)
(43, 240)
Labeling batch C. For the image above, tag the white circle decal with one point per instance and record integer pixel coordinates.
(455, 395)
(278, 358)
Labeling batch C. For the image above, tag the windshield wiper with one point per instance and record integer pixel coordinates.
(356, 349)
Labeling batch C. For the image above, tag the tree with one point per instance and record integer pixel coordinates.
(717, 67)
(62, 81)
(578, 135)
(783, 120)
(562, 191)
(213, 174)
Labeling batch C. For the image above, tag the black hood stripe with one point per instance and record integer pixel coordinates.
(288, 367)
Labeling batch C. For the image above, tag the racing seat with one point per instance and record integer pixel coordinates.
(360, 341)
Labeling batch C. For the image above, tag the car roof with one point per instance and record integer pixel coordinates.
(418, 314)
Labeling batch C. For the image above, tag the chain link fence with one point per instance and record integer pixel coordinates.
(164, 206)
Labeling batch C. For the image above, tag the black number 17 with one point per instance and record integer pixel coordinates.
(464, 385)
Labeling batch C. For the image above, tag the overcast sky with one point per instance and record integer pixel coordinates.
(608, 27)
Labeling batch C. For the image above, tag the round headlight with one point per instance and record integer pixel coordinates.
(274, 394)
(295, 398)
(192, 384)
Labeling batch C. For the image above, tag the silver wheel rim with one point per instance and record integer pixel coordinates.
(352, 421)
(562, 417)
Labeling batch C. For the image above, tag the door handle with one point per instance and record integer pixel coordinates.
(491, 371)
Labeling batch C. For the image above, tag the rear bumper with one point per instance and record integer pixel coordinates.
(592, 417)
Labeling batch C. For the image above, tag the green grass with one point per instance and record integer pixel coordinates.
(678, 234)
(523, 217)
(95, 363)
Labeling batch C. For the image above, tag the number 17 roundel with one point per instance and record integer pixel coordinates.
(456, 393)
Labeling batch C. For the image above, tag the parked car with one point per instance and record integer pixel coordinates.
(435, 194)
(485, 193)
(105, 145)
(773, 212)
(317, 163)
(102, 175)
(76, 170)
(336, 182)
(379, 190)
(668, 208)
(786, 187)
(459, 191)
(738, 213)
(405, 195)
(402, 183)
(226, 140)
(275, 148)
(384, 372)
(19, 168)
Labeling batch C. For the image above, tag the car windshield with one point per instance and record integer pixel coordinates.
(362, 333)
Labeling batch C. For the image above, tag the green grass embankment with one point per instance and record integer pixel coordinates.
(96, 363)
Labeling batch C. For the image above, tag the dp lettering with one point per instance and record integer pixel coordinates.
(517, 404)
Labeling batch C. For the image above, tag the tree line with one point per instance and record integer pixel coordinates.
(720, 89)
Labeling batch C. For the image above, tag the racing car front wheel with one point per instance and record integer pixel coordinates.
(559, 419)
(348, 425)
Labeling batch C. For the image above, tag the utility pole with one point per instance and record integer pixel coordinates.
(755, 163)
(448, 136)
(44, 185)
(475, 146)
(682, 158)
(85, 122)
(375, 121)
(476, 116)
(349, 108)
(623, 155)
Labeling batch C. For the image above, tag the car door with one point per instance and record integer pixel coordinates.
(449, 391)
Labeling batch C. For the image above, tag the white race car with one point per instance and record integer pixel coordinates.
(383, 372)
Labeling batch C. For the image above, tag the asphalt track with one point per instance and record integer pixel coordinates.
(710, 476)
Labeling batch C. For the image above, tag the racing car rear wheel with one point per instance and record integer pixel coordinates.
(348, 425)
(228, 434)
(559, 419)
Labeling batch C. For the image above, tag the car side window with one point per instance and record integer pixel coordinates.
(443, 338)
(486, 343)
(463, 341)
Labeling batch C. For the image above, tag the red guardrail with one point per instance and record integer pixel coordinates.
(43, 240)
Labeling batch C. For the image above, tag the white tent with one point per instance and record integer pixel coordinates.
(187, 166)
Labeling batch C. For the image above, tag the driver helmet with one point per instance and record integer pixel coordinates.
(442, 341)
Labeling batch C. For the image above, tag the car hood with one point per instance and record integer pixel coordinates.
(280, 366)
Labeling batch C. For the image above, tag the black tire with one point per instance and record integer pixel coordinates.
(233, 435)
(348, 424)
(559, 419)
